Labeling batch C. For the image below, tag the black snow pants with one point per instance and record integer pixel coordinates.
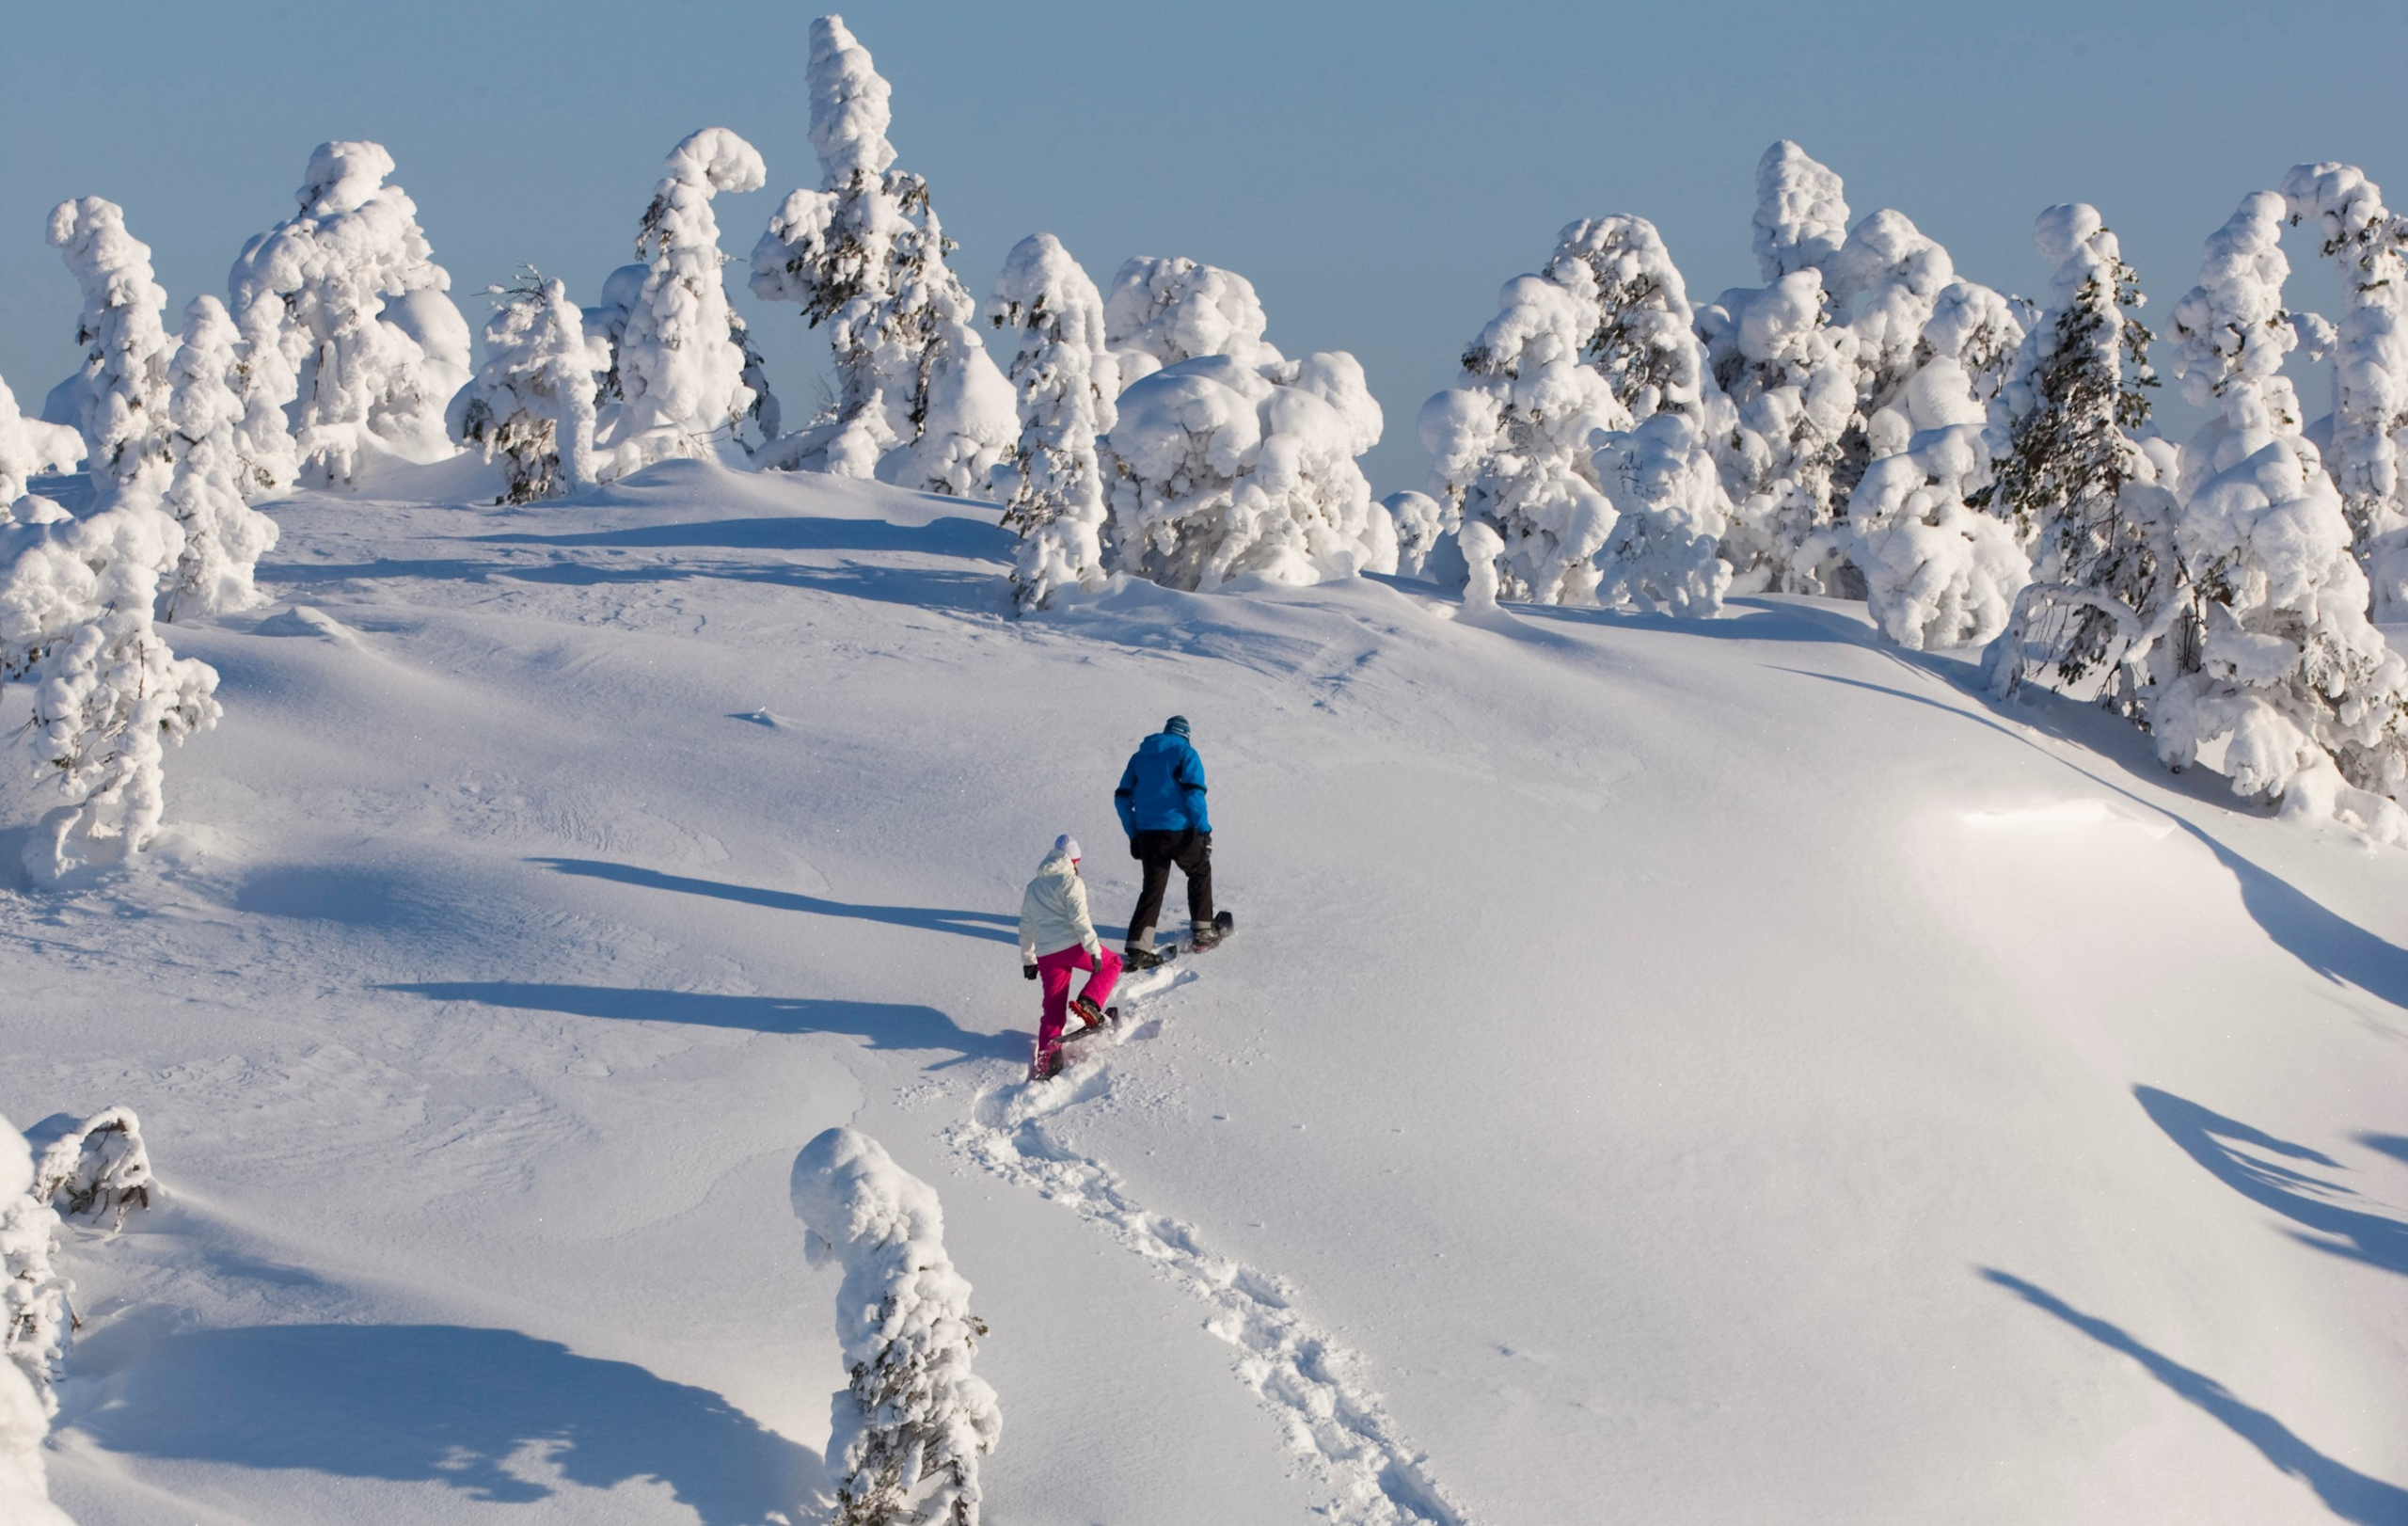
(1158, 851)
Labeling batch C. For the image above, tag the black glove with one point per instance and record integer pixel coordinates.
(1028, 972)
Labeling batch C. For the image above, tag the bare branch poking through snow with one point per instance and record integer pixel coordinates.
(910, 1426)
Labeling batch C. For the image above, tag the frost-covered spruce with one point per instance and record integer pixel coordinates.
(96, 685)
(1789, 369)
(266, 382)
(2274, 655)
(1164, 310)
(531, 405)
(33, 1294)
(2369, 245)
(1420, 522)
(351, 290)
(910, 1426)
(32, 1329)
(2071, 475)
(1663, 481)
(919, 402)
(29, 447)
(1219, 470)
(1066, 381)
(121, 392)
(1511, 445)
(101, 1169)
(681, 356)
(222, 536)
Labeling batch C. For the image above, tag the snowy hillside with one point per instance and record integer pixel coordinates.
(1672, 1071)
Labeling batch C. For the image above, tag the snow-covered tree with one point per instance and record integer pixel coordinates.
(121, 392)
(1219, 468)
(682, 353)
(1066, 381)
(33, 1327)
(910, 1426)
(919, 402)
(33, 1294)
(1663, 479)
(1511, 443)
(29, 447)
(101, 1168)
(2273, 657)
(107, 694)
(1789, 368)
(1671, 512)
(531, 404)
(356, 299)
(1164, 310)
(268, 386)
(2073, 479)
(1420, 521)
(222, 536)
(2369, 245)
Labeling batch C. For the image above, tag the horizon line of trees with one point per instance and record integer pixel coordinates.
(1981, 469)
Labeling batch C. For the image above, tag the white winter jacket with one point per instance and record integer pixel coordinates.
(1054, 911)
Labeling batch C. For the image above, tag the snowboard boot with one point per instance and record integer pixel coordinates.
(1089, 1011)
(1205, 934)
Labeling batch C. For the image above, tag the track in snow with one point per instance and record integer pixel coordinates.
(1333, 1421)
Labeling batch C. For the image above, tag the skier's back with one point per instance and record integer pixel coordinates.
(1162, 805)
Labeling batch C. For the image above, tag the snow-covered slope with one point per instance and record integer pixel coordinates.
(1669, 1073)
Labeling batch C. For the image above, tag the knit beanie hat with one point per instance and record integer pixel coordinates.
(1067, 844)
(1176, 725)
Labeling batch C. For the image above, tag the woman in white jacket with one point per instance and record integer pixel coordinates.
(1056, 938)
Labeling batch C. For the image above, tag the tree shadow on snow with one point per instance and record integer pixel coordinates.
(885, 1023)
(970, 539)
(2213, 1140)
(990, 925)
(931, 588)
(2344, 1491)
(2324, 941)
(450, 1405)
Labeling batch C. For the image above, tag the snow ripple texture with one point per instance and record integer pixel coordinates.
(1332, 1420)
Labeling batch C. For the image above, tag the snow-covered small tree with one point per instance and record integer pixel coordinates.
(1671, 513)
(1938, 571)
(101, 1168)
(2369, 245)
(1511, 443)
(2274, 657)
(1664, 480)
(1788, 366)
(910, 1426)
(1163, 310)
(2072, 477)
(1066, 380)
(1219, 470)
(1420, 522)
(351, 290)
(106, 693)
(531, 405)
(222, 536)
(121, 392)
(919, 402)
(268, 385)
(29, 447)
(682, 355)
(33, 1327)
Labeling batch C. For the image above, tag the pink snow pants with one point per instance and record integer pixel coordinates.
(1054, 970)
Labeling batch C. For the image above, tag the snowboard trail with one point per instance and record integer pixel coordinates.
(1333, 1421)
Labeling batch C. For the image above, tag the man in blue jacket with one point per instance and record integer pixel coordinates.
(1161, 802)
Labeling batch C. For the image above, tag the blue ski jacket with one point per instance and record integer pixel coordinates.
(1163, 787)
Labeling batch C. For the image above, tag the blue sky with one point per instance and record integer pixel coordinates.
(1377, 171)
